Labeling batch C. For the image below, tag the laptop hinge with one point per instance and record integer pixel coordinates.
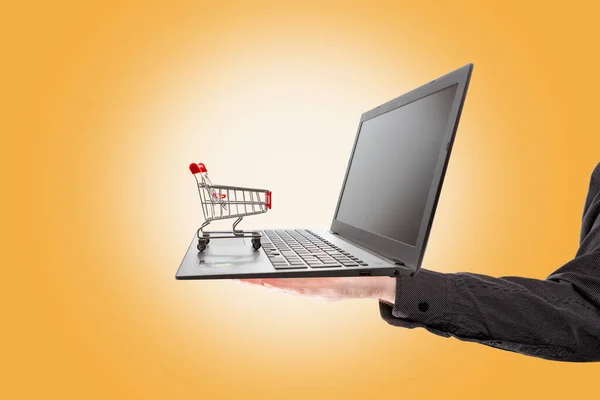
(397, 262)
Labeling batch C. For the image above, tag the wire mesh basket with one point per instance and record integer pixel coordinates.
(223, 202)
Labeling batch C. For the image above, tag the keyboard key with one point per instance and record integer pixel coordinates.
(288, 266)
(330, 265)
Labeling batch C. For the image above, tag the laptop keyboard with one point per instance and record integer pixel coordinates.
(297, 249)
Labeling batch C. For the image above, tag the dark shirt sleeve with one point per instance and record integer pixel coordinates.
(557, 318)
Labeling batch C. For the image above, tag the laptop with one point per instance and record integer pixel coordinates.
(386, 205)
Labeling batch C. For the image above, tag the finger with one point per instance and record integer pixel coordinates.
(296, 292)
(322, 293)
(298, 283)
(256, 282)
(285, 289)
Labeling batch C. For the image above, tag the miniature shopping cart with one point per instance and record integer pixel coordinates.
(223, 202)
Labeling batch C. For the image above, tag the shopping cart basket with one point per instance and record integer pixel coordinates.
(223, 202)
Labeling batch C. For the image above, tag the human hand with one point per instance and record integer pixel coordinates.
(333, 289)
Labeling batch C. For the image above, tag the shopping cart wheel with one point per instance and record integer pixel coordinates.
(204, 238)
(202, 244)
(256, 243)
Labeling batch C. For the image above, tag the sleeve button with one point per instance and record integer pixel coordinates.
(423, 306)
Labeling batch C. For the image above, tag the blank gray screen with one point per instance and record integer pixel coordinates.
(393, 165)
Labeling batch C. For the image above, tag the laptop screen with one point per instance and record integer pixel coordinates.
(393, 165)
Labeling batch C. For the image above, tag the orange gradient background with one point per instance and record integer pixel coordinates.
(104, 105)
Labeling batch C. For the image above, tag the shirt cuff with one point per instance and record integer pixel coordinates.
(423, 300)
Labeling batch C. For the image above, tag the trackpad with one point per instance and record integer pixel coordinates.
(228, 253)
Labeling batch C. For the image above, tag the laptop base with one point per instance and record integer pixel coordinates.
(236, 259)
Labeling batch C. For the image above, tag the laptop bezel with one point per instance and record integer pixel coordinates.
(403, 253)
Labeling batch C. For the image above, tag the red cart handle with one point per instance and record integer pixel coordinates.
(196, 168)
(269, 200)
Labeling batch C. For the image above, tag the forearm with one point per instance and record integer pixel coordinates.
(535, 317)
(386, 290)
(557, 318)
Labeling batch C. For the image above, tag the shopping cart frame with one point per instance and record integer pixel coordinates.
(217, 204)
